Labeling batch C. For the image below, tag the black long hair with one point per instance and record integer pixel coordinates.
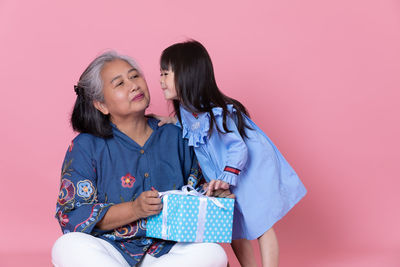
(85, 118)
(195, 84)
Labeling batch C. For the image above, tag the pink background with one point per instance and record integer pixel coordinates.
(320, 77)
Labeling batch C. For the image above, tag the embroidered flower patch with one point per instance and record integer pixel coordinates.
(127, 180)
(85, 188)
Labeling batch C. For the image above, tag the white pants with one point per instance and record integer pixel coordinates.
(79, 249)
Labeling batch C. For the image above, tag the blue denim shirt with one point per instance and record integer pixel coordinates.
(98, 173)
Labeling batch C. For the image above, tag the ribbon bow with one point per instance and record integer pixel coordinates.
(190, 191)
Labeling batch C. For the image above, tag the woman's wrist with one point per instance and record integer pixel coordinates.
(135, 211)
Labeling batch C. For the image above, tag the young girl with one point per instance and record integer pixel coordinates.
(231, 149)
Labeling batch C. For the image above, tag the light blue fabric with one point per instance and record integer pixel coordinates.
(267, 186)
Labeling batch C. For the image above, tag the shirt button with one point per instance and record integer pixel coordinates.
(141, 151)
(146, 174)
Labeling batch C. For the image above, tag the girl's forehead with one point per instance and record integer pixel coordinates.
(166, 68)
(165, 65)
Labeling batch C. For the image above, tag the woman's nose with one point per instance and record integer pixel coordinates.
(134, 86)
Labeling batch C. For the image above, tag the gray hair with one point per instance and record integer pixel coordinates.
(90, 81)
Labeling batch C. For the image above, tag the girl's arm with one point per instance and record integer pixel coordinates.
(236, 153)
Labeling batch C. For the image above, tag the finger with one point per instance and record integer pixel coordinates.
(217, 184)
(210, 188)
(154, 208)
(225, 185)
(225, 193)
(231, 196)
(222, 193)
(150, 194)
(217, 193)
(222, 185)
(153, 201)
(155, 211)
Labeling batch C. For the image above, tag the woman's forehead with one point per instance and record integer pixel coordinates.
(115, 68)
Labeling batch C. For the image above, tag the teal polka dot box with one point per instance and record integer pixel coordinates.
(188, 216)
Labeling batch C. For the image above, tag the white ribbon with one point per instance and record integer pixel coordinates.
(201, 218)
(164, 231)
(189, 190)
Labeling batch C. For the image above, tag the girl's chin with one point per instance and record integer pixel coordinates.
(167, 96)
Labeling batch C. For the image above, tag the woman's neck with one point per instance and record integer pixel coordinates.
(136, 128)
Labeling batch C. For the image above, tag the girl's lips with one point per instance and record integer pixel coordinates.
(138, 97)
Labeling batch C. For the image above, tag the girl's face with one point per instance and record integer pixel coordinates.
(125, 91)
(167, 81)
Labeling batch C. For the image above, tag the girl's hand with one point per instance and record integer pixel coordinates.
(164, 120)
(147, 204)
(215, 185)
(223, 193)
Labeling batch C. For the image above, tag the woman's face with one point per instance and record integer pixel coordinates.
(125, 91)
(167, 81)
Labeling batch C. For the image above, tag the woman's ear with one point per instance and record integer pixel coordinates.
(101, 107)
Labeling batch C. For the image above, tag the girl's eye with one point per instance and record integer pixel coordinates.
(120, 83)
(134, 76)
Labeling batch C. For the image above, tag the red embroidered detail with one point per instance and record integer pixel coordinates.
(62, 218)
(128, 180)
(195, 115)
(71, 146)
(128, 230)
(232, 170)
(155, 248)
(90, 216)
(67, 192)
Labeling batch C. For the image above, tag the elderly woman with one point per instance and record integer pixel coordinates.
(113, 171)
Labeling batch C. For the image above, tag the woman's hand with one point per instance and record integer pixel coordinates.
(216, 185)
(147, 204)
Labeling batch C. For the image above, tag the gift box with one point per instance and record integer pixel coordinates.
(188, 216)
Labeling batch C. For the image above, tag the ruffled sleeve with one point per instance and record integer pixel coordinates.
(77, 207)
(236, 149)
(194, 127)
(234, 155)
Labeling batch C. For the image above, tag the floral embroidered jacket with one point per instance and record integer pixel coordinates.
(98, 173)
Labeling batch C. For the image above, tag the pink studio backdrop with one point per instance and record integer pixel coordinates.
(320, 77)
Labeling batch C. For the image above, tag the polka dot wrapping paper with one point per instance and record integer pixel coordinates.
(186, 218)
